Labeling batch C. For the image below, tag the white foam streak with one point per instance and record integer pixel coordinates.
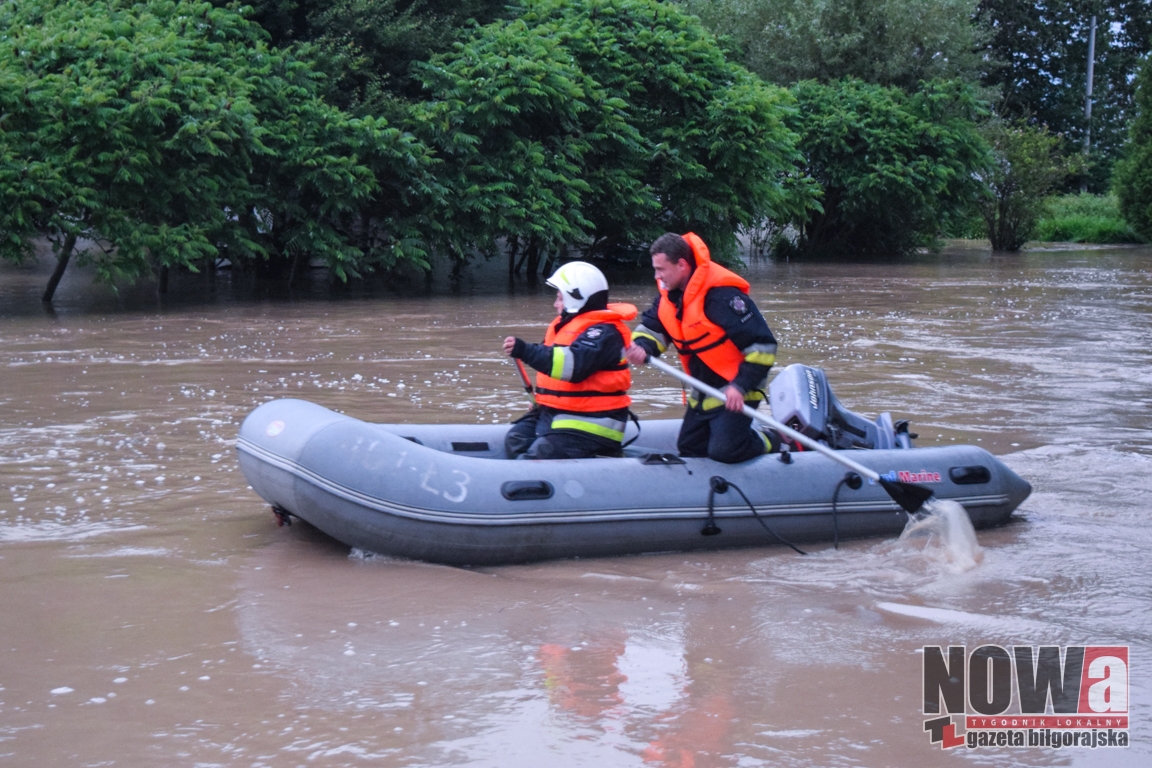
(1006, 624)
(53, 531)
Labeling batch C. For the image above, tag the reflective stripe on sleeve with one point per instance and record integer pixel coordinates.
(760, 358)
(563, 363)
(760, 354)
(641, 332)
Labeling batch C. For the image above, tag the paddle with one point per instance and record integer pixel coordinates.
(909, 496)
(524, 378)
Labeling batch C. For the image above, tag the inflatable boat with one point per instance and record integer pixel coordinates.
(448, 494)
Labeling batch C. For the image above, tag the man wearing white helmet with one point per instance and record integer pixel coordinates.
(582, 379)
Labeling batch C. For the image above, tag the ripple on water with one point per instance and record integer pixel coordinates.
(48, 530)
(126, 551)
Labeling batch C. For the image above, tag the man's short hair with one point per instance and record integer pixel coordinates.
(674, 247)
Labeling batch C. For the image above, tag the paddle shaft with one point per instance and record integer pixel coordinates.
(804, 440)
(528, 390)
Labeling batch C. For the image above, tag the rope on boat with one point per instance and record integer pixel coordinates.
(718, 484)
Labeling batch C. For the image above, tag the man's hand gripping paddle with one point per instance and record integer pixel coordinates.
(909, 496)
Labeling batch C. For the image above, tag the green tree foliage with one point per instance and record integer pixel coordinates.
(604, 123)
(890, 42)
(895, 168)
(1026, 165)
(367, 47)
(1038, 51)
(1133, 178)
(167, 133)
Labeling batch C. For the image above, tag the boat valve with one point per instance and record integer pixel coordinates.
(853, 481)
(785, 455)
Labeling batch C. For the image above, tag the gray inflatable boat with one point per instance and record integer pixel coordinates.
(447, 494)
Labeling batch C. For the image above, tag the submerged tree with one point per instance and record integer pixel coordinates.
(895, 168)
(1133, 178)
(1026, 166)
(167, 134)
(604, 123)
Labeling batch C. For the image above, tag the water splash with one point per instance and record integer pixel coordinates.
(368, 556)
(943, 533)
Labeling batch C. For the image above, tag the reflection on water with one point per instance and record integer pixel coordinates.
(154, 614)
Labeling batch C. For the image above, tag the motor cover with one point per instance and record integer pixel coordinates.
(801, 398)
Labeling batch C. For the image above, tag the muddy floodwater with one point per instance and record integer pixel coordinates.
(153, 614)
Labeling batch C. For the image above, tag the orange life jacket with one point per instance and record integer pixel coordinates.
(605, 390)
(694, 334)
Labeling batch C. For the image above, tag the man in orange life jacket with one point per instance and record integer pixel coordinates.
(705, 312)
(582, 381)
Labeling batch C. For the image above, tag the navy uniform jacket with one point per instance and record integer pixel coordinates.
(733, 310)
(600, 347)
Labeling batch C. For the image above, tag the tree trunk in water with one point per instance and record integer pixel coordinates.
(533, 254)
(553, 258)
(61, 265)
(300, 264)
(365, 230)
(512, 248)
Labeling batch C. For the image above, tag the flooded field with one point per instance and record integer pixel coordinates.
(154, 614)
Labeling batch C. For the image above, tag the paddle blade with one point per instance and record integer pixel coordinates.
(910, 497)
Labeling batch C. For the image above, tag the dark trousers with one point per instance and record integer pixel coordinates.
(532, 437)
(721, 435)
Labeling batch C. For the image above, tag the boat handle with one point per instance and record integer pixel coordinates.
(525, 490)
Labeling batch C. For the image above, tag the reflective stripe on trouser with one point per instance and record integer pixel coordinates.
(610, 429)
(711, 403)
(721, 435)
(532, 437)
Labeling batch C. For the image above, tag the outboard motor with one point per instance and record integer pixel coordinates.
(801, 399)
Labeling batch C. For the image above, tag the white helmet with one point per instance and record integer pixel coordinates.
(576, 281)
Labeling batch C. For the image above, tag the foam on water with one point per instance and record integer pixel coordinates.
(369, 556)
(1011, 625)
(943, 533)
(55, 531)
(125, 552)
